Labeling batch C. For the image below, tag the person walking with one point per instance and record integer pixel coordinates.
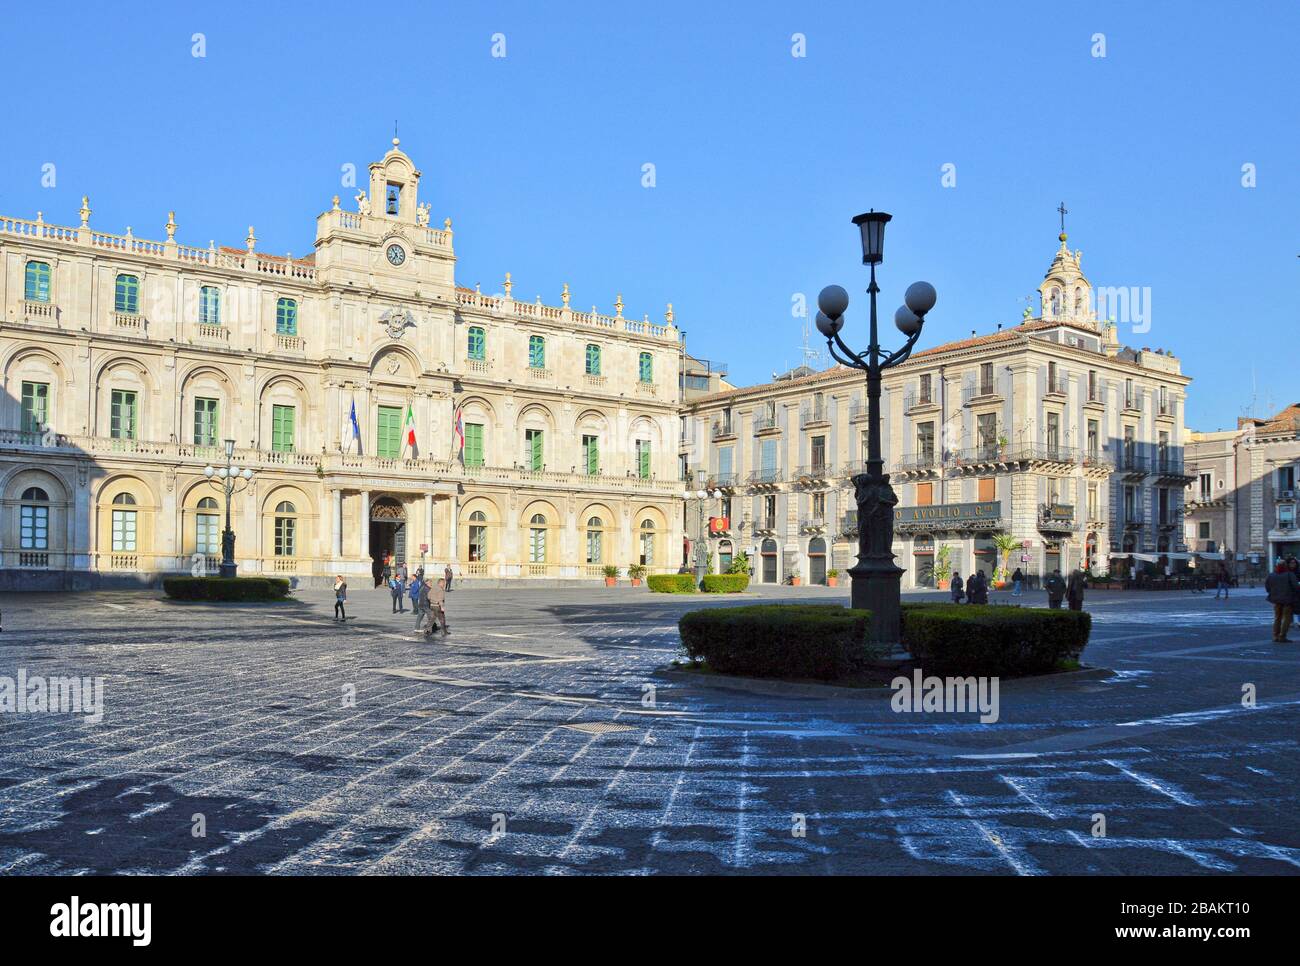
(1055, 587)
(413, 592)
(340, 598)
(977, 588)
(437, 609)
(958, 591)
(1017, 581)
(1221, 582)
(397, 584)
(1074, 588)
(446, 576)
(1282, 589)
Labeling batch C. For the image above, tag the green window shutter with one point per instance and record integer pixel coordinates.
(643, 458)
(36, 287)
(535, 450)
(126, 295)
(647, 367)
(473, 444)
(36, 403)
(591, 454)
(286, 317)
(593, 360)
(477, 349)
(389, 442)
(205, 422)
(536, 352)
(122, 414)
(282, 435)
(209, 305)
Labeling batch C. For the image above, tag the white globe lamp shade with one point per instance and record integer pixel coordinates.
(209, 472)
(908, 322)
(833, 300)
(920, 297)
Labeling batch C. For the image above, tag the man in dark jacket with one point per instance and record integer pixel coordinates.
(1074, 588)
(1282, 589)
(977, 588)
(1055, 587)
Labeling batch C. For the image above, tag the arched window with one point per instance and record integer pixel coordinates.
(206, 538)
(595, 535)
(1056, 301)
(536, 352)
(124, 524)
(537, 539)
(34, 520)
(126, 295)
(593, 359)
(36, 284)
(286, 529)
(646, 365)
(286, 317)
(476, 346)
(725, 556)
(209, 305)
(647, 543)
(477, 536)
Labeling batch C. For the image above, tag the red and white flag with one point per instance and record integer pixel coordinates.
(408, 432)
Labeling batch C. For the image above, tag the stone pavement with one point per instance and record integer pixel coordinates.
(542, 737)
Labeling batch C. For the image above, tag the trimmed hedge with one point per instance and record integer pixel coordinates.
(226, 588)
(962, 639)
(724, 583)
(671, 583)
(822, 641)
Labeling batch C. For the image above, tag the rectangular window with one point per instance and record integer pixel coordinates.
(593, 360)
(1051, 378)
(1092, 501)
(1286, 478)
(767, 461)
(1130, 400)
(209, 305)
(818, 452)
(1094, 438)
(769, 510)
(986, 379)
(122, 414)
(36, 407)
(1093, 391)
(388, 429)
(726, 464)
(534, 449)
(206, 427)
(987, 429)
(124, 531)
(286, 536)
(1207, 488)
(1203, 530)
(591, 455)
(126, 295)
(207, 540)
(819, 506)
(536, 352)
(473, 444)
(477, 346)
(34, 528)
(643, 458)
(925, 442)
(925, 494)
(282, 434)
(1053, 432)
(286, 317)
(36, 286)
(647, 367)
(925, 388)
(988, 489)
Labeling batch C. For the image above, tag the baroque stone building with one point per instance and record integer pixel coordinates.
(1051, 432)
(513, 438)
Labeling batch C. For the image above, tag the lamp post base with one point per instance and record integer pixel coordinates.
(877, 580)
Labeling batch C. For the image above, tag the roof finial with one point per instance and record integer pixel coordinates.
(564, 296)
(618, 305)
(509, 285)
(668, 316)
(1064, 211)
(85, 211)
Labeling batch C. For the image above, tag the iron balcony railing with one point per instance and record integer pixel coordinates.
(915, 399)
(1170, 465)
(1132, 517)
(764, 524)
(724, 480)
(820, 470)
(722, 429)
(1056, 516)
(814, 414)
(813, 523)
(1043, 452)
(1127, 462)
(764, 421)
(916, 464)
(849, 523)
(770, 474)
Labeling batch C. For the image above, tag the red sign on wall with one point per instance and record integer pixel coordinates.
(719, 524)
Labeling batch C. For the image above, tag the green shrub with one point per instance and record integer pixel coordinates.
(739, 564)
(610, 571)
(961, 639)
(226, 588)
(822, 641)
(671, 583)
(724, 583)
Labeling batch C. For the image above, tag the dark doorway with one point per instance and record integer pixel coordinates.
(387, 535)
(816, 561)
(769, 562)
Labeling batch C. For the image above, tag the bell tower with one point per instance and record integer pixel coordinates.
(1065, 292)
(394, 186)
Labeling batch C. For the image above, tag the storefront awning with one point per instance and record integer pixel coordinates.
(1205, 555)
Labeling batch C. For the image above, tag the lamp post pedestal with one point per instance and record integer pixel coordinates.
(877, 580)
(228, 566)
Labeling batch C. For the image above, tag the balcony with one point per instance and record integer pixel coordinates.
(647, 389)
(814, 416)
(764, 525)
(813, 524)
(857, 410)
(723, 430)
(1133, 519)
(849, 523)
(1171, 470)
(538, 374)
(130, 321)
(768, 477)
(479, 367)
(918, 400)
(1131, 464)
(1133, 404)
(983, 392)
(994, 456)
(1056, 517)
(212, 333)
(722, 481)
(590, 381)
(45, 313)
(815, 474)
(765, 423)
(924, 465)
(289, 343)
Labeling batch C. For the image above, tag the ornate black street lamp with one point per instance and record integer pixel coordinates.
(227, 477)
(875, 576)
(702, 497)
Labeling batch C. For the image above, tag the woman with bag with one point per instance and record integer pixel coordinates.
(340, 598)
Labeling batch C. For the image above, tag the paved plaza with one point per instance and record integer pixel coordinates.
(544, 737)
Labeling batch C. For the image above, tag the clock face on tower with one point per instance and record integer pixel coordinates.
(396, 254)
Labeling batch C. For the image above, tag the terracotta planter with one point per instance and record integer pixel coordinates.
(942, 584)
(636, 581)
(795, 581)
(999, 585)
(832, 581)
(611, 581)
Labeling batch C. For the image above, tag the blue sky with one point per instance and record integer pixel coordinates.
(760, 157)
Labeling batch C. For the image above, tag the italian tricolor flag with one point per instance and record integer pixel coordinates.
(408, 431)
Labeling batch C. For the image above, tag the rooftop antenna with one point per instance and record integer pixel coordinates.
(813, 358)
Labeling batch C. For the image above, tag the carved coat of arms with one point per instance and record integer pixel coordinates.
(397, 321)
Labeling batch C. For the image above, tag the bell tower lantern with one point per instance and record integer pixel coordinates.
(394, 186)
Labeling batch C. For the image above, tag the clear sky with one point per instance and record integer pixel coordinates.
(760, 157)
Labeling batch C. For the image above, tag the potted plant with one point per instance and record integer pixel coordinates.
(1005, 544)
(832, 578)
(611, 575)
(636, 572)
(942, 566)
(795, 580)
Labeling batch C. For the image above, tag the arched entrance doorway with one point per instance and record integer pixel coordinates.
(768, 552)
(923, 560)
(725, 556)
(816, 561)
(387, 534)
(1090, 552)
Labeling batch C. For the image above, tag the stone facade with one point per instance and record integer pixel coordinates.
(1050, 432)
(127, 363)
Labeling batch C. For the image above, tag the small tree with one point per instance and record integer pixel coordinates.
(942, 563)
(1005, 543)
(739, 564)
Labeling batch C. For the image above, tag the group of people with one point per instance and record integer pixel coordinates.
(1283, 589)
(975, 590)
(428, 597)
